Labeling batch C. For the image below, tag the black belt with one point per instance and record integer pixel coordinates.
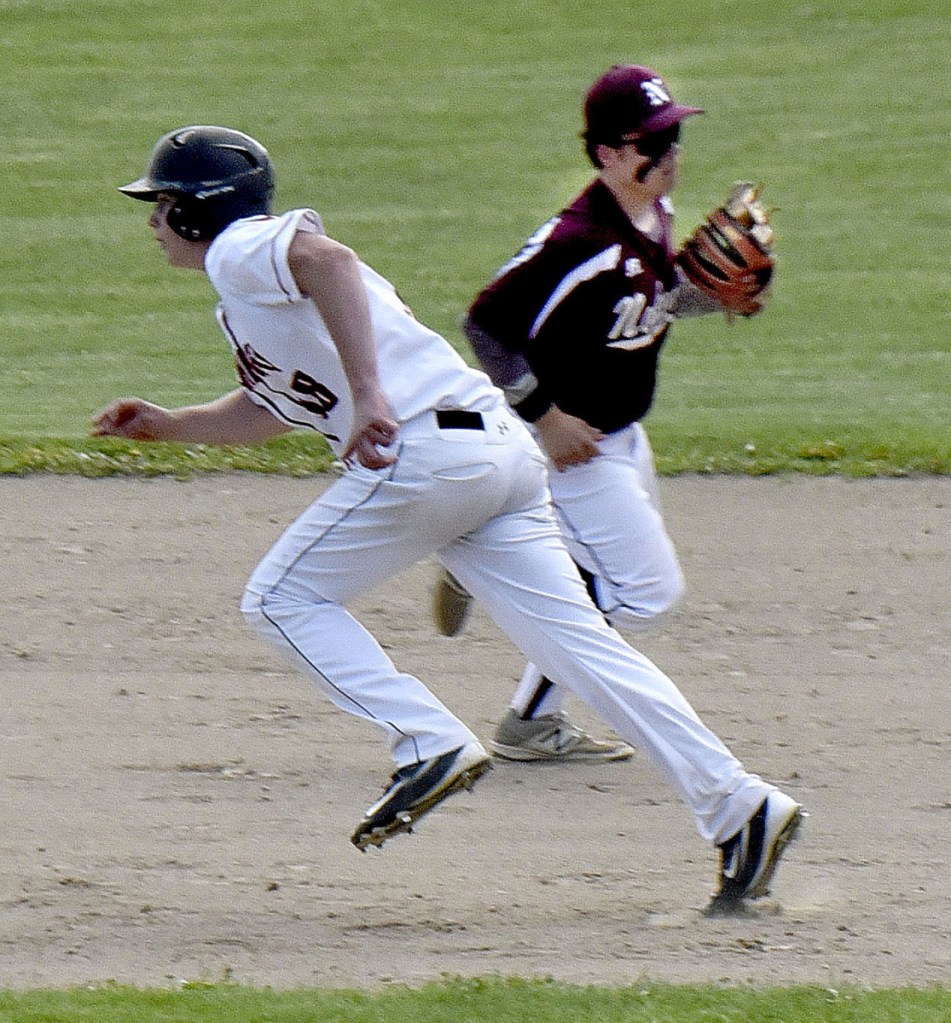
(459, 419)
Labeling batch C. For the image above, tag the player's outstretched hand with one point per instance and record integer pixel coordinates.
(566, 439)
(132, 418)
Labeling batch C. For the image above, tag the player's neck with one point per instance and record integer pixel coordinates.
(640, 207)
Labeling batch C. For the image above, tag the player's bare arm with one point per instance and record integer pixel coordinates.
(566, 439)
(328, 272)
(232, 419)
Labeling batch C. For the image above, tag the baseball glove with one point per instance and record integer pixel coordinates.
(729, 255)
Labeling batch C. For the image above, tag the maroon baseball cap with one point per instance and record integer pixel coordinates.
(630, 100)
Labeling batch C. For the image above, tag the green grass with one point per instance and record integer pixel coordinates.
(474, 1001)
(434, 137)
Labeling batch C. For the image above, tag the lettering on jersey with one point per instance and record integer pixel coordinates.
(632, 267)
(317, 398)
(639, 325)
(306, 392)
(252, 367)
(628, 312)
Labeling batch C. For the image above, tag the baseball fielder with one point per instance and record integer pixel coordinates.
(572, 329)
(436, 463)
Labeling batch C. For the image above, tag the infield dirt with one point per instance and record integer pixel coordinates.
(177, 802)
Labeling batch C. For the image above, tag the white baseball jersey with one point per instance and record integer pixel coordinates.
(288, 362)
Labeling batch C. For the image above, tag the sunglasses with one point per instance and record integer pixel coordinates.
(655, 144)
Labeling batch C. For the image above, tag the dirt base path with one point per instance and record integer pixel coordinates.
(176, 803)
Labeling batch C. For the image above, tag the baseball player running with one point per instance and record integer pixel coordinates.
(436, 464)
(571, 328)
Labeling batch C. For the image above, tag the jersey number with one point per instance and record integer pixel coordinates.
(316, 398)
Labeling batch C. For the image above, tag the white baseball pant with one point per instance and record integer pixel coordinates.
(612, 524)
(478, 500)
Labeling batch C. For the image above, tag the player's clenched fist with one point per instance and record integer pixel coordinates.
(566, 439)
(133, 418)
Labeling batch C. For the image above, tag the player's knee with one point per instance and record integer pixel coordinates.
(645, 606)
(270, 607)
(252, 608)
(265, 608)
(670, 591)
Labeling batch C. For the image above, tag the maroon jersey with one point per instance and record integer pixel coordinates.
(583, 309)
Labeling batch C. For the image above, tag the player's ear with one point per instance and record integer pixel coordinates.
(604, 156)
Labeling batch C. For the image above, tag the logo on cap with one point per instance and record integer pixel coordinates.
(656, 92)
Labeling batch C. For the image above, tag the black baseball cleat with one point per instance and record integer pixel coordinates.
(749, 859)
(414, 790)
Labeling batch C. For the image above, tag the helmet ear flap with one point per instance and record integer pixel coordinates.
(189, 221)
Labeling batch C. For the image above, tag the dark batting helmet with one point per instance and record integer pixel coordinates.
(217, 175)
